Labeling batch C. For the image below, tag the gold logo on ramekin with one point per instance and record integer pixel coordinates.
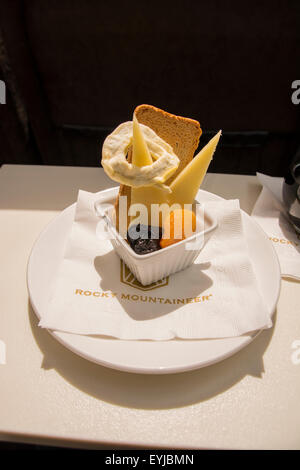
(128, 278)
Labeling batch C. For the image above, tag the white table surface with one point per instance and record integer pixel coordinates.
(49, 395)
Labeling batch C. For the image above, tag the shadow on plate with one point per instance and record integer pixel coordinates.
(143, 391)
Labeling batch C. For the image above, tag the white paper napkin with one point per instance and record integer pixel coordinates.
(94, 293)
(270, 214)
(274, 185)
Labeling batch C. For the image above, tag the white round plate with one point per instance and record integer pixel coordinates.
(147, 357)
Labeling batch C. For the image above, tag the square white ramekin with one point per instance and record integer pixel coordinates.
(154, 266)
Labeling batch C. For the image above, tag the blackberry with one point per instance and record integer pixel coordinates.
(144, 238)
(142, 247)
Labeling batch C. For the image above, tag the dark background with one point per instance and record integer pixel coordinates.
(75, 69)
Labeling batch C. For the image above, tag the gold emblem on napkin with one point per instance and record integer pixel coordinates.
(128, 278)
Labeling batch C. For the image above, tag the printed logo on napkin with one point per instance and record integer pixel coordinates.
(292, 242)
(282, 234)
(128, 278)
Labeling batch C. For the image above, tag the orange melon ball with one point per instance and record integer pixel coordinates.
(178, 225)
